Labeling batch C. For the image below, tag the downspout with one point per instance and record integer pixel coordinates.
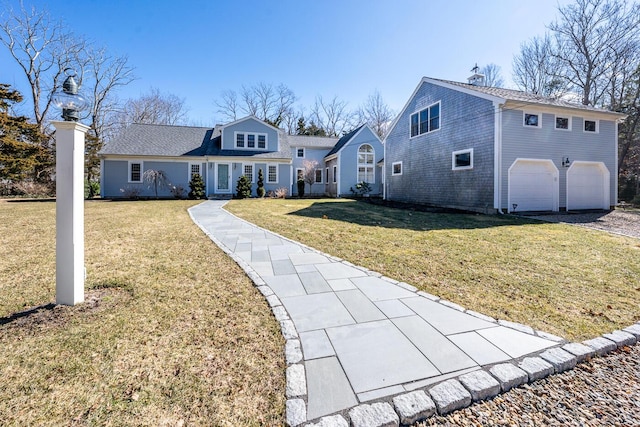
(497, 158)
(384, 170)
(102, 178)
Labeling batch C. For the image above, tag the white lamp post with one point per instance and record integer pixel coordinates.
(69, 194)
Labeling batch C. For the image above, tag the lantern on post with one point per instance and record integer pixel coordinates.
(70, 272)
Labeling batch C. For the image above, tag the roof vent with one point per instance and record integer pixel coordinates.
(477, 79)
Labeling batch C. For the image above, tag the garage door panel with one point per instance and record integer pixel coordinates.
(587, 186)
(533, 186)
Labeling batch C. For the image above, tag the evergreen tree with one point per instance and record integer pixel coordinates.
(260, 191)
(196, 185)
(243, 189)
(21, 153)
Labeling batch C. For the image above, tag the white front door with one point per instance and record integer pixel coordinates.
(223, 178)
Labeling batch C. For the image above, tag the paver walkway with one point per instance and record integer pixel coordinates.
(362, 336)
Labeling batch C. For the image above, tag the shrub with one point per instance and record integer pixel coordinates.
(243, 189)
(130, 192)
(196, 186)
(362, 188)
(33, 189)
(260, 190)
(301, 187)
(91, 189)
(636, 201)
(280, 193)
(178, 191)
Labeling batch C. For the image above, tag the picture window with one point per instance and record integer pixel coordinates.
(461, 160)
(396, 168)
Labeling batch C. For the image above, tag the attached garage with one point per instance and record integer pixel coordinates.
(533, 186)
(588, 186)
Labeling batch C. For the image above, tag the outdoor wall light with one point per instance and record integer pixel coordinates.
(69, 100)
(566, 162)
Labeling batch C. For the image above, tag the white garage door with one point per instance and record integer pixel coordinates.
(588, 186)
(533, 186)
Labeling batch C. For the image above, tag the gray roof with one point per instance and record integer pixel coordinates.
(311, 141)
(342, 141)
(178, 141)
(525, 97)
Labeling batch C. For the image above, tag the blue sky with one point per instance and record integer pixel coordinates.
(195, 49)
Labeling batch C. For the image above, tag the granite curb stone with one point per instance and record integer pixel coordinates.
(517, 326)
(451, 305)
(633, 329)
(560, 359)
(548, 336)
(374, 415)
(292, 352)
(449, 396)
(332, 421)
(581, 351)
(480, 384)
(296, 411)
(509, 376)
(536, 367)
(414, 406)
(296, 381)
(481, 316)
(621, 338)
(601, 345)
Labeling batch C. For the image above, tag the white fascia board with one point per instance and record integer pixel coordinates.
(513, 104)
(465, 90)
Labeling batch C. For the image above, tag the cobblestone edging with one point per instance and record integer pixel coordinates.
(441, 398)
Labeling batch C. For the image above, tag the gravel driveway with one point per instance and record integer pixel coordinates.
(602, 392)
(622, 222)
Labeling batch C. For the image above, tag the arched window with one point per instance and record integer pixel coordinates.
(366, 154)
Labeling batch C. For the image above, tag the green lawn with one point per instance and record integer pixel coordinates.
(571, 281)
(172, 331)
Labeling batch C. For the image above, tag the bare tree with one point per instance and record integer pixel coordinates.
(492, 75)
(332, 116)
(42, 48)
(309, 172)
(273, 104)
(153, 108)
(535, 69)
(592, 36)
(376, 114)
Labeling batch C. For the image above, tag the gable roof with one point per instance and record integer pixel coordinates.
(311, 141)
(159, 140)
(501, 96)
(342, 141)
(180, 141)
(520, 96)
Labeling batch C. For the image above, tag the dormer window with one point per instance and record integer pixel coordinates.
(251, 141)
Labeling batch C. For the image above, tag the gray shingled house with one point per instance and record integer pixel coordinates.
(222, 154)
(489, 149)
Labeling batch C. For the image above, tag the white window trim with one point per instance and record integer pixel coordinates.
(367, 165)
(584, 122)
(335, 174)
(418, 113)
(246, 141)
(393, 173)
(453, 160)
(562, 117)
(141, 163)
(304, 153)
(315, 176)
(277, 173)
(253, 171)
(532, 113)
(189, 177)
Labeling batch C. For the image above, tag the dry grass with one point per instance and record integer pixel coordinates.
(172, 331)
(570, 281)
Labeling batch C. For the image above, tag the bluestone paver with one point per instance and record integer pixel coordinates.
(394, 308)
(359, 306)
(313, 282)
(514, 343)
(329, 388)
(445, 319)
(316, 344)
(478, 348)
(317, 311)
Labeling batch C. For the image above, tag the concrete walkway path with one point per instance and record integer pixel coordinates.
(354, 336)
